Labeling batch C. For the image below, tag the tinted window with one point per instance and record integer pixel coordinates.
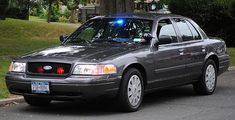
(195, 33)
(184, 29)
(165, 28)
(138, 28)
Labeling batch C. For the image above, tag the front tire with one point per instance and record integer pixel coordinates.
(36, 101)
(207, 83)
(131, 91)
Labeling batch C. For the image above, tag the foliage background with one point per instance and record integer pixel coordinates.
(216, 17)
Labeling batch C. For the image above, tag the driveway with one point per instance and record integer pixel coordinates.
(172, 104)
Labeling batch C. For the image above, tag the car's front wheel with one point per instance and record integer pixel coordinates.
(36, 101)
(207, 84)
(131, 91)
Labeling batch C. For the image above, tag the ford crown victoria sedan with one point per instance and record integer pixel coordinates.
(122, 57)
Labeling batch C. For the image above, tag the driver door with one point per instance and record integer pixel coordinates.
(169, 58)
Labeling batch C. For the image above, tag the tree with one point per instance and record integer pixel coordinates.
(212, 15)
(3, 8)
(72, 5)
(50, 2)
(232, 9)
(116, 6)
(15, 9)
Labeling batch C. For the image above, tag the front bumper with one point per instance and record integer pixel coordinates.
(73, 87)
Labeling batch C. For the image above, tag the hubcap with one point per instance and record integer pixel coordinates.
(134, 91)
(210, 77)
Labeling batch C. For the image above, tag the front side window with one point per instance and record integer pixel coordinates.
(111, 29)
(165, 29)
(184, 29)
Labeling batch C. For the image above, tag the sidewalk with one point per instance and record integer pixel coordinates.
(231, 68)
(11, 101)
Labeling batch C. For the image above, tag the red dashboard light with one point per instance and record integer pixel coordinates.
(60, 70)
(40, 69)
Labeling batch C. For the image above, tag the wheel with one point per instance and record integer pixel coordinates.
(207, 83)
(36, 101)
(131, 91)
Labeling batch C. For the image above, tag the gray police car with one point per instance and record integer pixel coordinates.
(122, 57)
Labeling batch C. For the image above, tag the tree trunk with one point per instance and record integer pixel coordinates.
(108, 7)
(129, 6)
(28, 7)
(72, 17)
(49, 11)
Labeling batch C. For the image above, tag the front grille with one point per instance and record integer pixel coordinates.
(48, 68)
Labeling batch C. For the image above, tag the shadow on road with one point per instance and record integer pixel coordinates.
(107, 107)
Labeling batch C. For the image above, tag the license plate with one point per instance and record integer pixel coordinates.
(40, 87)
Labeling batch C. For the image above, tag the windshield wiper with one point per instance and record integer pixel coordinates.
(109, 40)
(113, 41)
(78, 40)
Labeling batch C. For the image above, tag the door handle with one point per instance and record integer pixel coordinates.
(203, 49)
(181, 51)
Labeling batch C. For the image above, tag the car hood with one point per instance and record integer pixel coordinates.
(80, 53)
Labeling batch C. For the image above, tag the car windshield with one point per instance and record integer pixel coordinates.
(115, 30)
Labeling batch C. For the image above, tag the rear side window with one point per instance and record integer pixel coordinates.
(195, 33)
(184, 29)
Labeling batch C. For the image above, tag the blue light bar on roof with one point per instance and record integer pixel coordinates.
(119, 22)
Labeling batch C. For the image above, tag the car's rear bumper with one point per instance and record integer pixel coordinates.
(224, 62)
(74, 87)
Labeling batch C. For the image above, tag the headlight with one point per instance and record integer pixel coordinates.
(17, 67)
(94, 69)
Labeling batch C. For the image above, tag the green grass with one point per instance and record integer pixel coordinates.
(3, 69)
(38, 19)
(18, 37)
(35, 18)
(231, 52)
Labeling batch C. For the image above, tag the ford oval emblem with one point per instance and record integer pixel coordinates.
(48, 67)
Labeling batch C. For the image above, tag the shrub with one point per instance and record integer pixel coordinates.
(232, 9)
(43, 15)
(37, 11)
(63, 19)
(55, 14)
(3, 8)
(67, 13)
(17, 13)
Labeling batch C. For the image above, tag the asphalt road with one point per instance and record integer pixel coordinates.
(172, 104)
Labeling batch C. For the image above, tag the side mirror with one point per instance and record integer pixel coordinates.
(63, 38)
(164, 39)
(148, 37)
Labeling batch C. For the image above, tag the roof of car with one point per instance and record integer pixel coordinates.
(140, 15)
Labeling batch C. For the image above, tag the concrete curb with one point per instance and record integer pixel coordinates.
(231, 68)
(18, 100)
(9, 101)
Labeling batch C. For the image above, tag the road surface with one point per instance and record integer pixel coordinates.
(172, 104)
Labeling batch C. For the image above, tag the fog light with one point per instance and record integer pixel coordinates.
(60, 70)
(40, 69)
